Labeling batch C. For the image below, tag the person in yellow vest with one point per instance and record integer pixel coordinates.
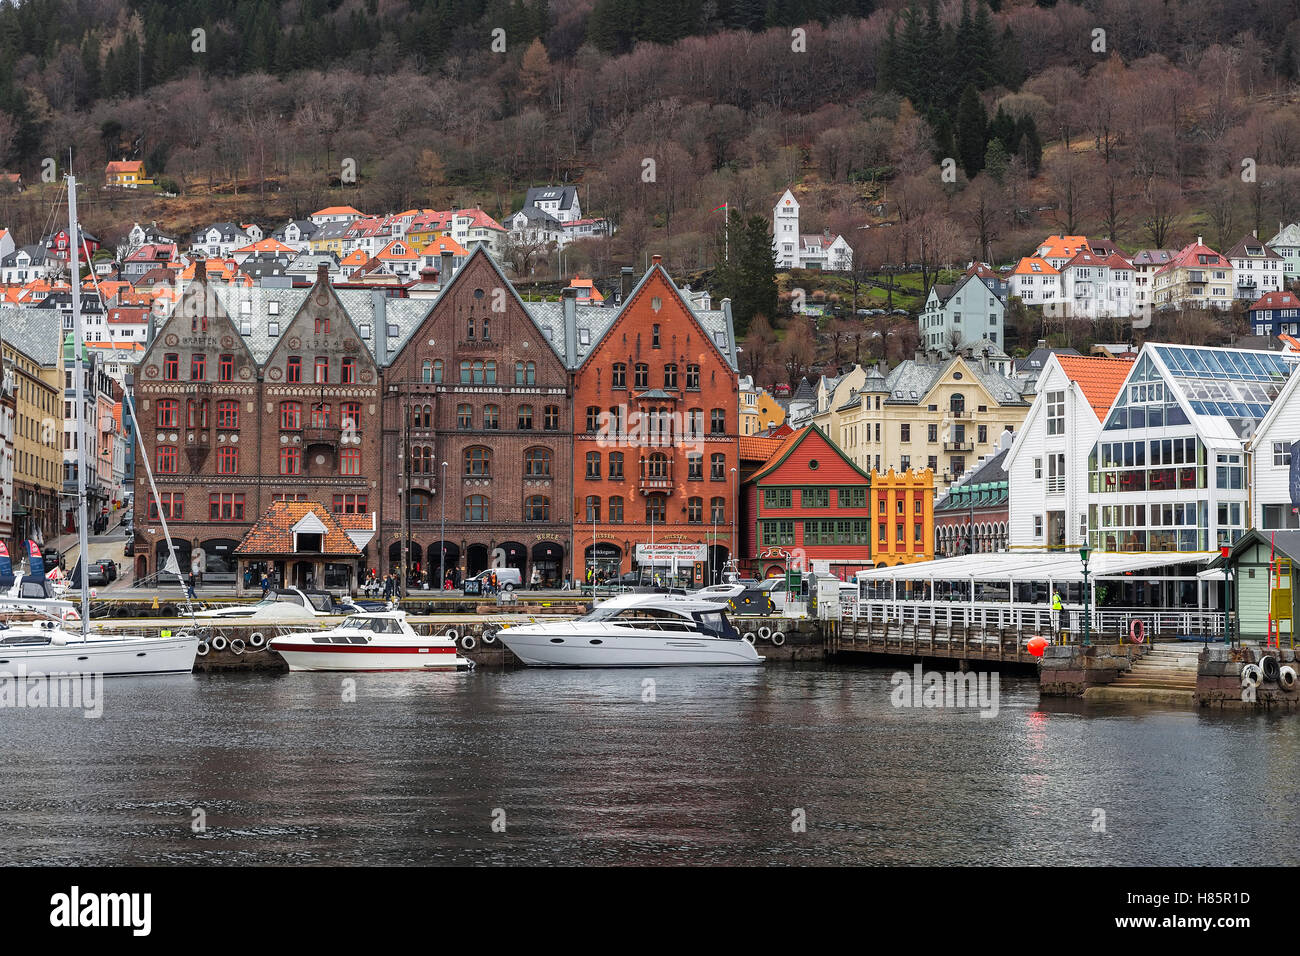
(1056, 611)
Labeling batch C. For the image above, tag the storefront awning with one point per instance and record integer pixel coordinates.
(1063, 566)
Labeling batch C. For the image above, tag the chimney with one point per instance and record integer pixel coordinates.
(323, 273)
(448, 268)
(625, 282)
(569, 299)
(1254, 233)
(1198, 241)
(201, 270)
(379, 312)
(1042, 343)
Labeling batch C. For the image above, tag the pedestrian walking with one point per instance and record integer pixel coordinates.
(535, 579)
(266, 585)
(189, 585)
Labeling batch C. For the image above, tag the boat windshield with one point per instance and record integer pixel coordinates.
(379, 625)
(611, 611)
(716, 622)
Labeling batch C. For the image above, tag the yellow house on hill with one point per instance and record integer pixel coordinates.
(127, 174)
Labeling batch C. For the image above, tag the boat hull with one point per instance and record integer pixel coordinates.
(345, 657)
(167, 655)
(611, 650)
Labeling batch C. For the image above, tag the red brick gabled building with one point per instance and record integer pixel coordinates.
(656, 421)
(479, 386)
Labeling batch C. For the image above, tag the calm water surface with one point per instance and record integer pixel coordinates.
(586, 772)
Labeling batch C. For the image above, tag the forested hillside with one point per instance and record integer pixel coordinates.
(1147, 123)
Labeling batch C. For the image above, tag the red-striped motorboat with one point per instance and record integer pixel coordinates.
(376, 641)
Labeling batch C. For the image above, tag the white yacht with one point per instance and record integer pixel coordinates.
(635, 630)
(46, 647)
(371, 641)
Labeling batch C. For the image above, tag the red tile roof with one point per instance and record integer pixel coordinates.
(273, 532)
(1276, 300)
(757, 449)
(1100, 378)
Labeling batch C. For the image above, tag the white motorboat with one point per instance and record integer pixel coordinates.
(635, 630)
(39, 648)
(370, 641)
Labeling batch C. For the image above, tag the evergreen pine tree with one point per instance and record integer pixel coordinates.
(996, 160)
(1031, 150)
(971, 133)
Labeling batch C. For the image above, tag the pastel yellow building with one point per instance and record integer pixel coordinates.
(935, 412)
(38, 436)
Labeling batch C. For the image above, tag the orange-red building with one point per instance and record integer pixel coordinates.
(656, 411)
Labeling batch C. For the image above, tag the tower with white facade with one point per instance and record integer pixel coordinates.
(785, 231)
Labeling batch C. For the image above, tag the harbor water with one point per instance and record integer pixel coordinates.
(788, 764)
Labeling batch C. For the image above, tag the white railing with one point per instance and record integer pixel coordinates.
(995, 615)
(1056, 484)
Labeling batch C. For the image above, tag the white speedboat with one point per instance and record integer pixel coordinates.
(38, 648)
(370, 641)
(289, 604)
(635, 630)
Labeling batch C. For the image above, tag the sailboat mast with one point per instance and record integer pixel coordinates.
(74, 268)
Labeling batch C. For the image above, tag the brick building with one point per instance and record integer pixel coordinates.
(480, 386)
(229, 434)
(655, 436)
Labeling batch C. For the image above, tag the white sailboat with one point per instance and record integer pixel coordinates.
(48, 647)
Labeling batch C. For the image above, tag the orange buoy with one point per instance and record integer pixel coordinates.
(1037, 645)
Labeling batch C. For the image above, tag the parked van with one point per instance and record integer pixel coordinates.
(507, 578)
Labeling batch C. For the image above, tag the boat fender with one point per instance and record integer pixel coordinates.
(202, 649)
(468, 642)
(1251, 675)
(237, 646)
(58, 639)
(1287, 677)
(256, 639)
(764, 632)
(489, 636)
(748, 636)
(451, 634)
(778, 638)
(1268, 664)
(219, 643)
(1137, 631)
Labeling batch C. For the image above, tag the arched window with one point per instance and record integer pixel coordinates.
(490, 373)
(466, 371)
(642, 379)
(492, 416)
(593, 508)
(525, 418)
(618, 375)
(464, 416)
(426, 372)
(437, 371)
(657, 466)
(718, 510)
(477, 508)
(552, 420)
(478, 462)
(957, 403)
(695, 510)
(537, 508)
(537, 463)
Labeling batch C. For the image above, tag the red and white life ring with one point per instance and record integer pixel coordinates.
(1137, 632)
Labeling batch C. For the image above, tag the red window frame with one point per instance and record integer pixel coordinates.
(226, 368)
(322, 370)
(291, 415)
(293, 369)
(226, 506)
(173, 503)
(228, 414)
(166, 461)
(169, 413)
(198, 367)
(350, 462)
(290, 461)
(171, 367)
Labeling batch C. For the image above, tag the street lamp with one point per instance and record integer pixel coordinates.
(735, 522)
(442, 531)
(1084, 551)
(1224, 551)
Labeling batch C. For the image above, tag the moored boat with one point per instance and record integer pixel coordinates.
(635, 630)
(371, 641)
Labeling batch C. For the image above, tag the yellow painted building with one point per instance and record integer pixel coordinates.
(771, 414)
(904, 516)
(126, 174)
(934, 412)
(38, 439)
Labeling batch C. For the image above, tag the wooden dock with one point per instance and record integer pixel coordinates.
(849, 638)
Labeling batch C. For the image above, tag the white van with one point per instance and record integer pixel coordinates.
(507, 578)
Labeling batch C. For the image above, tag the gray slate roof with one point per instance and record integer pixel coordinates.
(38, 333)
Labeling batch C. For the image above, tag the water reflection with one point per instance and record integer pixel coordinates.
(597, 767)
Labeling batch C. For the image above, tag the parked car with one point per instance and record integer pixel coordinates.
(128, 549)
(97, 576)
(110, 568)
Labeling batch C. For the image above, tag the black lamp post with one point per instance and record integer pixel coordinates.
(1224, 551)
(1084, 551)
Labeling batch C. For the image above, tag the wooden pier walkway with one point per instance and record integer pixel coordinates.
(941, 642)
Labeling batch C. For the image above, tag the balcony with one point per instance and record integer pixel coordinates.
(1056, 484)
(958, 446)
(655, 476)
(321, 435)
(961, 414)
